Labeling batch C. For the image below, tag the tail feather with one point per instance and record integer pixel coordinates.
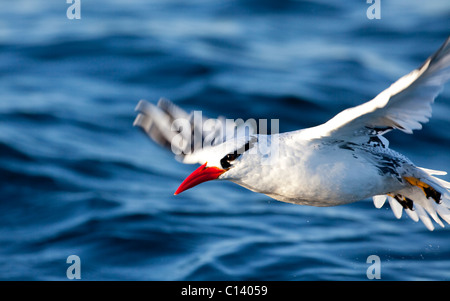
(424, 218)
(412, 214)
(426, 198)
(444, 213)
(397, 208)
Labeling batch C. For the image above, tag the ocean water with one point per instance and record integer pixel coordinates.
(78, 179)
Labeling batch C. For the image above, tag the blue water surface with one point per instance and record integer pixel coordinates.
(78, 179)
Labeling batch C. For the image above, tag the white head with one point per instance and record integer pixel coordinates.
(223, 161)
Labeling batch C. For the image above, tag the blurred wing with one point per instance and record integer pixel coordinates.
(187, 135)
(404, 105)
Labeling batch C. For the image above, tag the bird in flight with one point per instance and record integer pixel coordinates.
(344, 160)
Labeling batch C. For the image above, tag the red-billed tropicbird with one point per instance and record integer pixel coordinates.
(344, 160)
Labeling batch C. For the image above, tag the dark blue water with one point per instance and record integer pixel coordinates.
(78, 179)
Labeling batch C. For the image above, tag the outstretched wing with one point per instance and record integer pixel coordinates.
(404, 105)
(187, 135)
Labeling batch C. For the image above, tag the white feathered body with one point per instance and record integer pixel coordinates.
(318, 173)
(343, 160)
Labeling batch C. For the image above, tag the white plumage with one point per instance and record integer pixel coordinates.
(344, 160)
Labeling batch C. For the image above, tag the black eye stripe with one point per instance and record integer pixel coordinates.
(225, 161)
(225, 164)
(245, 148)
(231, 157)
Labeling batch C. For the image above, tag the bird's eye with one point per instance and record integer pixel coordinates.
(231, 157)
(225, 161)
